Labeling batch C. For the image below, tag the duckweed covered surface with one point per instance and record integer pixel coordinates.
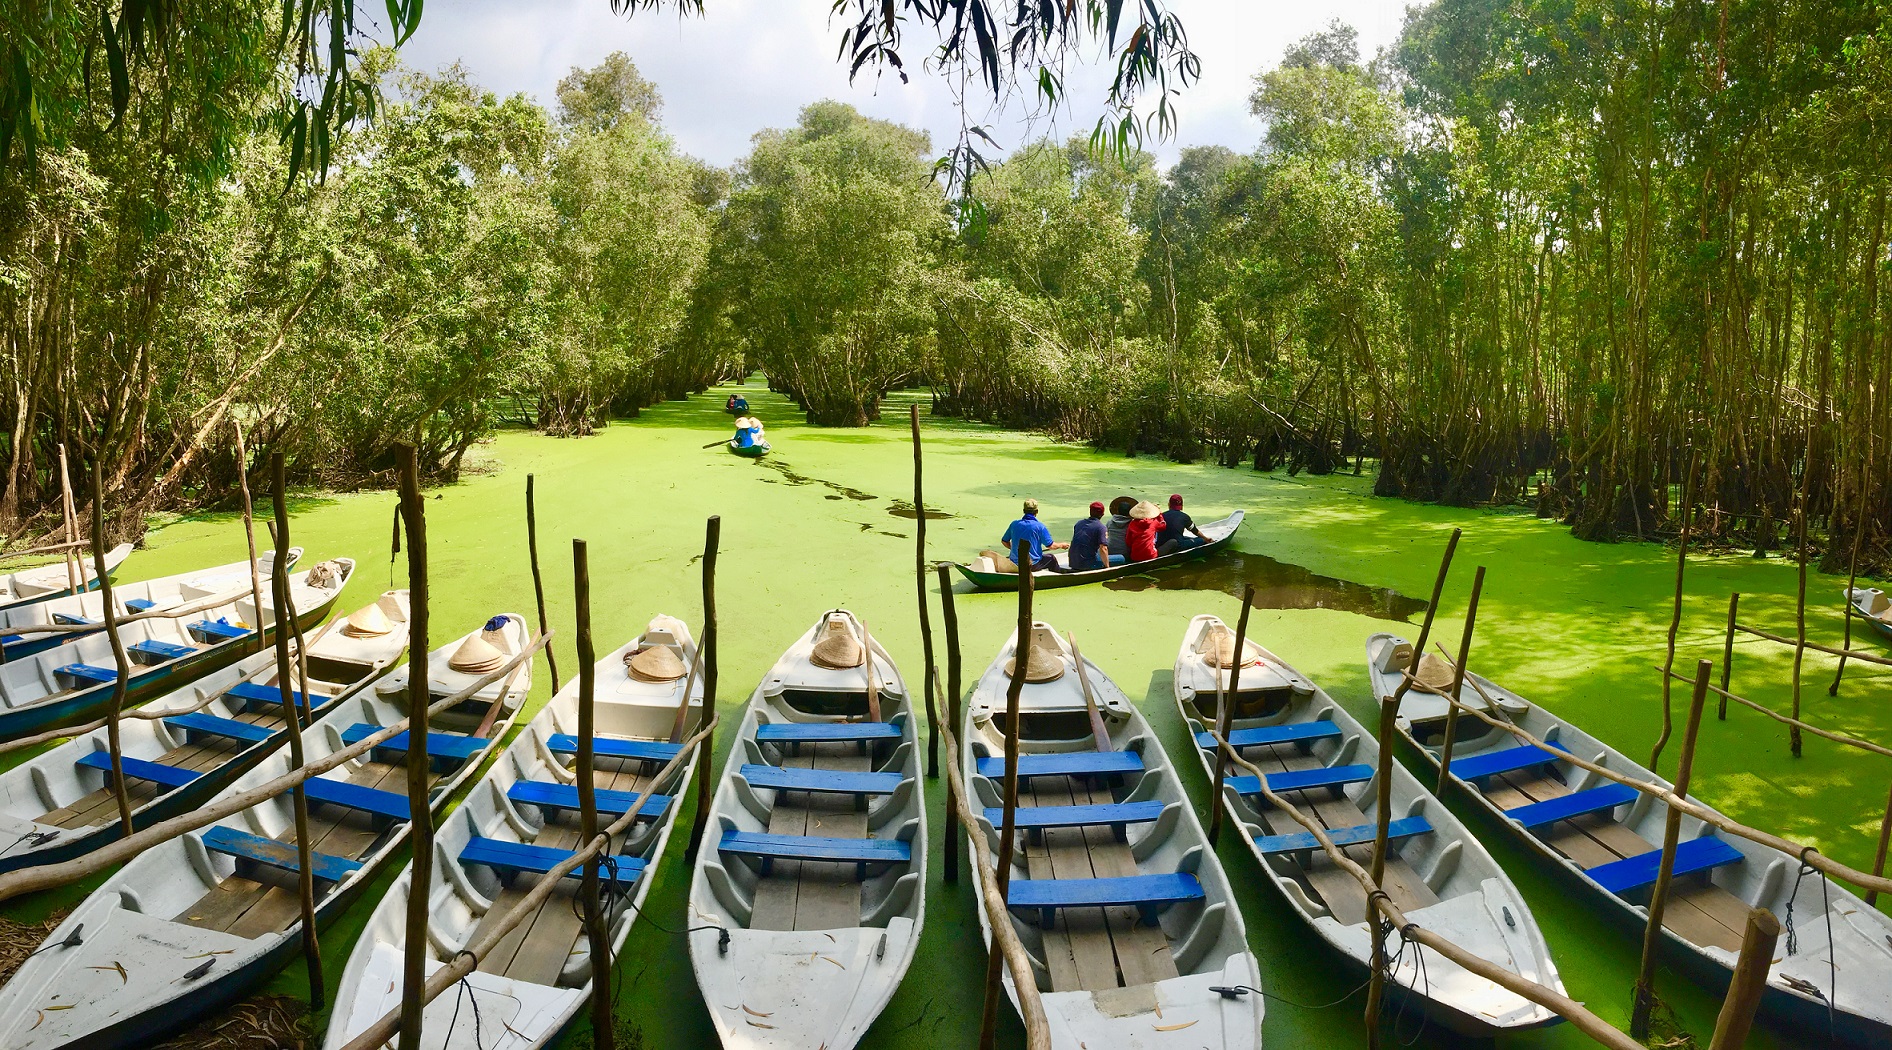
(827, 520)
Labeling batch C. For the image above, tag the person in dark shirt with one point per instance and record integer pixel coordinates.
(1119, 521)
(1089, 547)
(1177, 526)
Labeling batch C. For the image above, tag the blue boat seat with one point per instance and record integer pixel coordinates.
(80, 673)
(1117, 816)
(1147, 893)
(1694, 855)
(648, 750)
(555, 798)
(1304, 779)
(820, 781)
(859, 852)
(1550, 811)
(1508, 760)
(159, 651)
(1403, 828)
(269, 697)
(69, 620)
(140, 604)
(255, 849)
(375, 802)
(510, 858)
(446, 749)
(825, 732)
(1066, 764)
(1293, 733)
(139, 769)
(213, 631)
(198, 726)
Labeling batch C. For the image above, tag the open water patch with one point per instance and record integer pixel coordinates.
(1278, 585)
(903, 509)
(788, 474)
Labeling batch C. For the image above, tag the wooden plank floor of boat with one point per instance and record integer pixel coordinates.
(1698, 911)
(797, 896)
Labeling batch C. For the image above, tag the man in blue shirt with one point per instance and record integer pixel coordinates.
(1089, 544)
(1028, 535)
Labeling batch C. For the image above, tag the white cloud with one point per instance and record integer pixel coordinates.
(753, 64)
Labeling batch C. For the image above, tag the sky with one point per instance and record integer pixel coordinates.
(753, 64)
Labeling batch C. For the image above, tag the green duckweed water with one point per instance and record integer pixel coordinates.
(827, 520)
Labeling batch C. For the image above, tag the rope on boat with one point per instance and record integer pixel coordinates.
(1832, 950)
(466, 993)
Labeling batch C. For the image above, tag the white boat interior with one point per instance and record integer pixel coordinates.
(1114, 890)
(454, 667)
(166, 592)
(812, 872)
(518, 822)
(1321, 759)
(1609, 836)
(57, 577)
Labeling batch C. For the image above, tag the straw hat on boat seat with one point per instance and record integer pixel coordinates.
(1000, 562)
(658, 663)
(1044, 661)
(1144, 510)
(1218, 648)
(837, 649)
(482, 652)
(1434, 673)
(368, 622)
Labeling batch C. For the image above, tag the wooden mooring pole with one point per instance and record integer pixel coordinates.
(1878, 858)
(1665, 871)
(1225, 712)
(1675, 622)
(120, 659)
(420, 817)
(1432, 610)
(1458, 682)
(1008, 828)
(75, 574)
(1382, 807)
(538, 582)
(249, 534)
(1727, 656)
(926, 624)
(706, 652)
(1750, 980)
(595, 931)
(292, 720)
(950, 617)
(1800, 617)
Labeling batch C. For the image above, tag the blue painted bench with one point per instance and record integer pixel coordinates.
(510, 858)
(140, 604)
(859, 852)
(213, 631)
(1298, 732)
(1118, 816)
(139, 769)
(253, 695)
(1509, 760)
(1403, 828)
(69, 620)
(1068, 764)
(556, 798)
(81, 673)
(159, 651)
(198, 726)
(1550, 811)
(385, 806)
(446, 749)
(646, 750)
(1147, 893)
(795, 734)
(1691, 856)
(820, 781)
(254, 849)
(1304, 779)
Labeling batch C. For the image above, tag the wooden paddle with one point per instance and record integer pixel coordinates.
(1090, 701)
(867, 665)
(683, 709)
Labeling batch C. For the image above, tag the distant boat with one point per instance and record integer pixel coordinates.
(986, 574)
(1873, 606)
(73, 682)
(1135, 937)
(522, 819)
(808, 895)
(1325, 762)
(192, 925)
(753, 451)
(59, 804)
(1606, 838)
(54, 580)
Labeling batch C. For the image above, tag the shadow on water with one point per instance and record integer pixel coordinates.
(793, 478)
(1278, 585)
(904, 509)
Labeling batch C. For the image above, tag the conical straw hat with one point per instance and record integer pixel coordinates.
(656, 664)
(1434, 672)
(837, 649)
(368, 622)
(476, 655)
(1218, 648)
(1044, 660)
(1145, 510)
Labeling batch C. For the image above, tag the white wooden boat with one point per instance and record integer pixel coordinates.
(1607, 838)
(59, 804)
(520, 820)
(1134, 936)
(812, 872)
(1873, 606)
(226, 582)
(1316, 754)
(490, 711)
(73, 682)
(987, 574)
(54, 579)
(191, 925)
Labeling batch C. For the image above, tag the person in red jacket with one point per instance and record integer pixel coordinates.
(1145, 522)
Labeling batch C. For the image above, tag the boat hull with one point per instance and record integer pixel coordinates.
(750, 451)
(1040, 581)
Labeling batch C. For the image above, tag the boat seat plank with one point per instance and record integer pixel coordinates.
(451, 747)
(218, 630)
(1079, 936)
(160, 649)
(1304, 779)
(825, 732)
(1142, 950)
(813, 897)
(1506, 760)
(515, 858)
(1069, 764)
(1146, 893)
(1293, 732)
(819, 781)
(857, 851)
(1114, 815)
(246, 847)
(1691, 856)
(650, 750)
(140, 604)
(1595, 800)
(1403, 828)
(353, 796)
(83, 673)
(199, 725)
(557, 798)
(254, 695)
(155, 772)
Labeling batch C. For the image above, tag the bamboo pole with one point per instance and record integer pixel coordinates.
(1727, 655)
(1225, 711)
(420, 816)
(1860, 655)
(1750, 980)
(1383, 804)
(1675, 623)
(706, 651)
(1852, 581)
(1458, 682)
(538, 584)
(1021, 666)
(950, 616)
(1432, 609)
(1878, 856)
(1665, 870)
(1838, 738)
(66, 548)
(1800, 615)
(249, 536)
(75, 574)
(293, 723)
(867, 671)
(468, 959)
(48, 876)
(595, 932)
(926, 625)
(119, 657)
(1100, 734)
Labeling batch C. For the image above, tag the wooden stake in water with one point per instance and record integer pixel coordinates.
(950, 616)
(1727, 656)
(926, 626)
(249, 536)
(285, 613)
(595, 932)
(706, 649)
(1021, 666)
(1750, 980)
(421, 827)
(1382, 809)
(1458, 683)
(1225, 711)
(1675, 619)
(75, 576)
(1665, 872)
(1800, 618)
(538, 584)
(1432, 609)
(1885, 840)
(120, 659)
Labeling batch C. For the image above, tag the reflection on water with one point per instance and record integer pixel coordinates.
(1278, 585)
(793, 478)
(903, 509)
